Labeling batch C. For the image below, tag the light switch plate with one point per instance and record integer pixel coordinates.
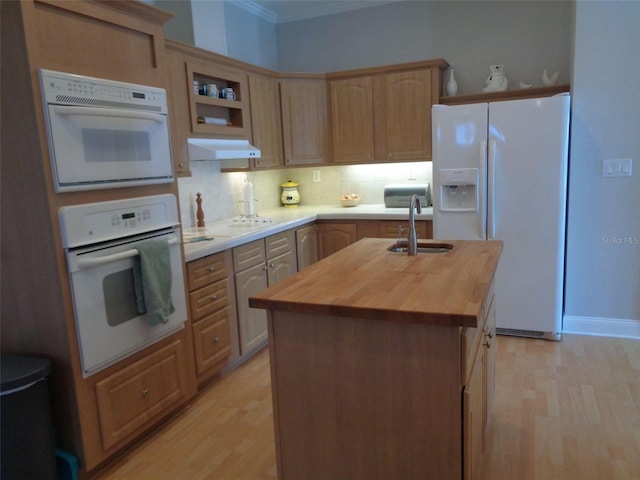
(616, 167)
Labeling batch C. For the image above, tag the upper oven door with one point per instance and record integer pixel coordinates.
(97, 147)
(108, 324)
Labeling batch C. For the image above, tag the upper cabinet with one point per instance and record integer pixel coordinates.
(304, 120)
(384, 114)
(265, 120)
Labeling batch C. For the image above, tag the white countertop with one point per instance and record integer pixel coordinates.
(226, 234)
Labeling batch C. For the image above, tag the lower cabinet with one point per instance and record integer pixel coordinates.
(478, 393)
(133, 398)
(307, 246)
(212, 305)
(334, 236)
(258, 265)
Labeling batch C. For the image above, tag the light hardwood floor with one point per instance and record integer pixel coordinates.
(563, 411)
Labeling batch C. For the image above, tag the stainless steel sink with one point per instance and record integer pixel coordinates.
(402, 247)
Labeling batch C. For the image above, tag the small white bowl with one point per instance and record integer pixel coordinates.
(351, 202)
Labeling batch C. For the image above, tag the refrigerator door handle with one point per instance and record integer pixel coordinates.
(491, 192)
(481, 199)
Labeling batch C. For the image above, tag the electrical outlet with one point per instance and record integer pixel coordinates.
(616, 167)
(316, 176)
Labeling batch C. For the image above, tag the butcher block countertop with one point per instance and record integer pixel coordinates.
(365, 280)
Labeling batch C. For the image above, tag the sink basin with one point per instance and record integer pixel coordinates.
(422, 247)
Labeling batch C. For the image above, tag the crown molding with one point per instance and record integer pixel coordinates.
(312, 11)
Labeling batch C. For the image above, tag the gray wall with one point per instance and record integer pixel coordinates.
(603, 264)
(250, 38)
(525, 36)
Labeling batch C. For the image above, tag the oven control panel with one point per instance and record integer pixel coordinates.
(99, 222)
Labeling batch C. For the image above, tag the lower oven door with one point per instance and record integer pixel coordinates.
(108, 324)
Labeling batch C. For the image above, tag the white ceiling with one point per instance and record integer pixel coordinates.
(282, 11)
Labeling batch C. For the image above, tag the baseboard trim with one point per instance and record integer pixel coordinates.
(601, 326)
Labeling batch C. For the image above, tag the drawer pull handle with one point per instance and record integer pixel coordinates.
(216, 339)
(212, 269)
(145, 392)
(214, 298)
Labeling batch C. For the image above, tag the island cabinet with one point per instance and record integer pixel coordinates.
(384, 114)
(305, 129)
(381, 363)
(213, 312)
(257, 265)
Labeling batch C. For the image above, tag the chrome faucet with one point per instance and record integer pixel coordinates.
(412, 247)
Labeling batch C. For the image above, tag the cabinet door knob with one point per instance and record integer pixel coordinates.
(212, 269)
(214, 298)
(265, 268)
(145, 392)
(487, 344)
(272, 265)
(181, 165)
(216, 339)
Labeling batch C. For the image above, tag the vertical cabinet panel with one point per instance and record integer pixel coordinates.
(307, 246)
(265, 120)
(405, 104)
(304, 121)
(352, 119)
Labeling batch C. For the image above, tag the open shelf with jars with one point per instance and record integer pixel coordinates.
(220, 110)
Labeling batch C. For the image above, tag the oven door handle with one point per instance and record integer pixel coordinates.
(107, 112)
(98, 261)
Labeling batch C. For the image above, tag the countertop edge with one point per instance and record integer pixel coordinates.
(300, 216)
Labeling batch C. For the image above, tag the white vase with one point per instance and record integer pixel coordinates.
(452, 85)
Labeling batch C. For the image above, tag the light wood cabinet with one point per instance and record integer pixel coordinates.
(335, 236)
(352, 124)
(133, 398)
(258, 265)
(479, 388)
(384, 114)
(212, 306)
(265, 120)
(304, 121)
(307, 246)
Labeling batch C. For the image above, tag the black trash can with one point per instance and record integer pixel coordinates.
(28, 445)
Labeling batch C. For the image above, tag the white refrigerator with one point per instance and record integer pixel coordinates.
(500, 172)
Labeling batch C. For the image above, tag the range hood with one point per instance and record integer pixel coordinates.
(220, 149)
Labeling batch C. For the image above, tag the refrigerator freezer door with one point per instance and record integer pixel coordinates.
(459, 142)
(529, 180)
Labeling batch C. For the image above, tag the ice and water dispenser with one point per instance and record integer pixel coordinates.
(459, 190)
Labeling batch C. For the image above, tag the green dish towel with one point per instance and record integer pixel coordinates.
(152, 281)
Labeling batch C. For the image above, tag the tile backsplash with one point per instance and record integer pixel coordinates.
(222, 193)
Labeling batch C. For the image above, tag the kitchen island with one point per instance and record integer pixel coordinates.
(381, 362)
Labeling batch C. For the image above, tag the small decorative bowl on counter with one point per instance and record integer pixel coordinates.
(350, 200)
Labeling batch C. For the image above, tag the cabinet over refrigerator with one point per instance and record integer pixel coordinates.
(500, 172)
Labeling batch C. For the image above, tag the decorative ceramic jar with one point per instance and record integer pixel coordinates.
(290, 196)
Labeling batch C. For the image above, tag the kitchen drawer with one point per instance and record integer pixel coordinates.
(132, 398)
(209, 299)
(206, 270)
(212, 340)
(279, 244)
(249, 255)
